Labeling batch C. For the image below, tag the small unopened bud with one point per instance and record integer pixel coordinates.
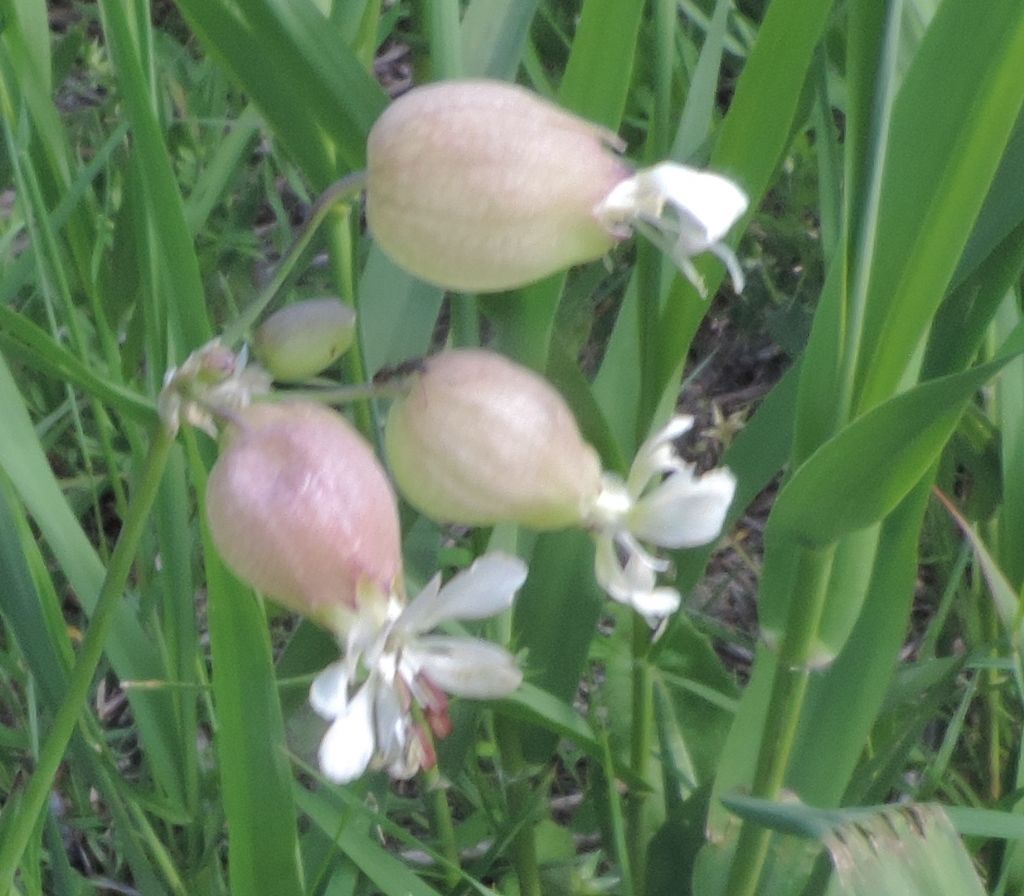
(485, 186)
(300, 509)
(306, 337)
(479, 440)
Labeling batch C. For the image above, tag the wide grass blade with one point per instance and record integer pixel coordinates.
(859, 476)
(912, 850)
(950, 127)
(325, 133)
(254, 770)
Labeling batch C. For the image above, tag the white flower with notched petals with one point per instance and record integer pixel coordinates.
(662, 503)
(211, 381)
(682, 211)
(391, 661)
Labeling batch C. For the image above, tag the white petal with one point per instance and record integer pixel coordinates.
(348, 746)
(392, 725)
(620, 582)
(656, 604)
(634, 583)
(487, 587)
(658, 454)
(732, 264)
(713, 202)
(684, 511)
(328, 695)
(466, 667)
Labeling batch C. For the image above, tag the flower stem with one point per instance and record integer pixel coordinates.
(789, 689)
(339, 192)
(441, 823)
(524, 847)
(342, 254)
(40, 784)
(640, 748)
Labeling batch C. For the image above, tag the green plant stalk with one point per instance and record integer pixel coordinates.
(524, 846)
(639, 748)
(995, 711)
(618, 846)
(441, 823)
(442, 21)
(789, 689)
(339, 192)
(649, 259)
(341, 248)
(38, 789)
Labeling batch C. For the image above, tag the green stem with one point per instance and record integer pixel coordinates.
(465, 320)
(441, 18)
(441, 823)
(640, 748)
(649, 259)
(524, 846)
(789, 689)
(340, 191)
(40, 784)
(343, 394)
(342, 253)
(442, 21)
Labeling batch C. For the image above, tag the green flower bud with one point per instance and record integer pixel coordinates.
(479, 440)
(483, 186)
(300, 509)
(304, 338)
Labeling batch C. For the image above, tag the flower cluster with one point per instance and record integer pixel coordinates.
(477, 186)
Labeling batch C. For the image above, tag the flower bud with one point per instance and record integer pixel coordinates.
(304, 338)
(479, 440)
(485, 186)
(300, 509)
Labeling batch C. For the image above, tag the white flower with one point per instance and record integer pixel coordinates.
(681, 510)
(682, 211)
(390, 662)
(210, 381)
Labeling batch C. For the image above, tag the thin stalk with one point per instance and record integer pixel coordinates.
(465, 320)
(340, 191)
(38, 789)
(442, 21)
(341, 248)
(649, 259)
(342, 394)
(639, 748)
(441, 824)
(789, 689)
(445, 36)
(649, 281)
(994, 710)
(524, 846)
